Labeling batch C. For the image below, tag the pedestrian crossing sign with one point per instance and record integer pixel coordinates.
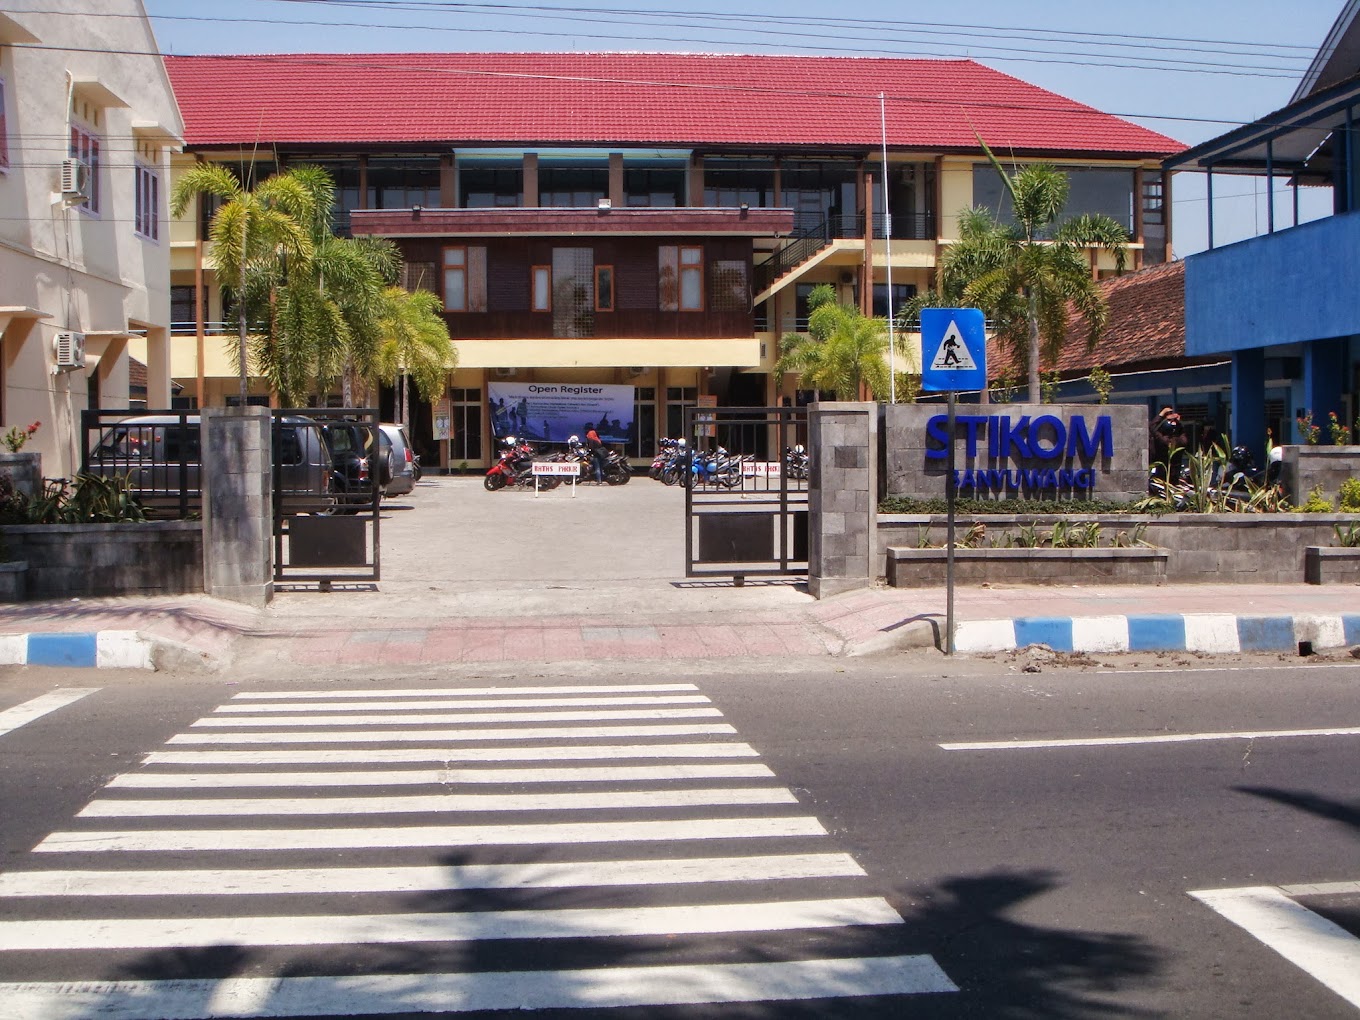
(953, 349)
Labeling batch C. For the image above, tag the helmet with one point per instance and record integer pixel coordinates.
(573, 440)
(683, 442)
(799, 449)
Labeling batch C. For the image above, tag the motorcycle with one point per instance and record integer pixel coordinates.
(797, 463)
(516, 467)
(716, 468)
(616, 468)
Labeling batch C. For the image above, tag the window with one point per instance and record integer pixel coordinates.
(455, 280)
(677, 399)
(691, 279)
(576, 185)
(419, 275)
(604, 288)
(183, 313)
(4, 130)
(491, 185)
(654, 186)
(573, 302)
(147, 221)
(901, 294)
(85, 147)
(728, 287)
(542, 288)
(642, 437)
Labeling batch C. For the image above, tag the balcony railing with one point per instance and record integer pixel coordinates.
(814, 233)
(213, 328)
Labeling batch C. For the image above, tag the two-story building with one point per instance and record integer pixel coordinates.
(652, 221)
(1285, 306)
(87, 122)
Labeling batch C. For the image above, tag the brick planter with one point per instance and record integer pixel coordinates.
(1210, 548)
(1326, 565)
(913, 568)
(65, 560)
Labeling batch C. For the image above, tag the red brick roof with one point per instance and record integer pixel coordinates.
(634, 99)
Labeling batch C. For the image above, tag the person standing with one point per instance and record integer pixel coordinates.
(597, 452)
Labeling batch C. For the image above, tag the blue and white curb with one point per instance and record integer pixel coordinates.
(105, 649)
(1188, 632)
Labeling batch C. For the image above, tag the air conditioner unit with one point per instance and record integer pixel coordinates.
(75, 180)
(70, 350)
(506, 373)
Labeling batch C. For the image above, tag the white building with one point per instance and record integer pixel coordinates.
(87, 122)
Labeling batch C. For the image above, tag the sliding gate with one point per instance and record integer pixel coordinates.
(746, 500)
(332, 540)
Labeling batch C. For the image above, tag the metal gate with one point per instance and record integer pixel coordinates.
(333, 541)
(746, 498)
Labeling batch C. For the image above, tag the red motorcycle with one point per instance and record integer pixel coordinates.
(516, 467)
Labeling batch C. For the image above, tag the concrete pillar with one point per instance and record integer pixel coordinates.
(1324, 377)
(842, 497)
(1249, 402)
(238, 504)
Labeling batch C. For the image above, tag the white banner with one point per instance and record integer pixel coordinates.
(550, 412)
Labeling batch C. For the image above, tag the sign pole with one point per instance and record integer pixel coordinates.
(950, 493)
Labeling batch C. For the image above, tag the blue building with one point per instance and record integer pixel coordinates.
(1284, 307)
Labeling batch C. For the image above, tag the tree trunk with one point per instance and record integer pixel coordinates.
(347, 384)
(1032, 318)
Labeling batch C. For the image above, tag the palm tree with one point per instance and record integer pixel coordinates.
(251, 233)
(842, 349)
(415, 344)
(1024, 274)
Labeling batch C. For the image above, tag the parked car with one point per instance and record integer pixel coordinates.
(161, 456)
(398, 461)
(355, 460)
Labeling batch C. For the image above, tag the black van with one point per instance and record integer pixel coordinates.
(162, 459)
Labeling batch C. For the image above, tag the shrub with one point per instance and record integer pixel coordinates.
(1317, 503)
(1350, 494)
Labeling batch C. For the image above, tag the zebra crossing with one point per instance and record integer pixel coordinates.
(360, 853)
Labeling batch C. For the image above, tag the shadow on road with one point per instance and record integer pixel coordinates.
(1333, 810)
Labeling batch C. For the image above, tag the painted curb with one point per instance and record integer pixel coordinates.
(105, 649)
(1186, 632)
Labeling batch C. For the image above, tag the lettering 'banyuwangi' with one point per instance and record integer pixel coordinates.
(992, 480)
(1044, 437)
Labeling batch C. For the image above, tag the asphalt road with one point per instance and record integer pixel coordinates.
(1041, 881)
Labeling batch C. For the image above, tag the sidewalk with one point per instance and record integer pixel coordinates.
(478, 577)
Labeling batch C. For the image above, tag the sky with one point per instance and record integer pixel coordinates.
(1191, 69)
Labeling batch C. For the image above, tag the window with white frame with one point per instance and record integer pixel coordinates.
(4, 129)
(85, 147)
(147, 213)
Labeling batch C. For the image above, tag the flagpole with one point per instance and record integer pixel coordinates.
(887, 248)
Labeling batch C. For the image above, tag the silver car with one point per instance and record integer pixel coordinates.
(396, 459)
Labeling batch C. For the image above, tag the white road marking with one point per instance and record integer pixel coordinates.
(538, 875)
(435, 803)
(466, 692)
(440, 718)
(466, 926)
(1160, 738)
(35, 708)
(438, 777)
(379, 994)
(411, 705)
(519, 733)
(431, 835)
(1323, 950)
(373, 756)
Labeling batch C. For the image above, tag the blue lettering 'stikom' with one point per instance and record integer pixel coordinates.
(1045, 437)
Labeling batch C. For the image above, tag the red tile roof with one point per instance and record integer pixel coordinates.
(658, 99)
(1146, 328)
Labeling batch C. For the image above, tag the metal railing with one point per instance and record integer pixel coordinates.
(815, 231)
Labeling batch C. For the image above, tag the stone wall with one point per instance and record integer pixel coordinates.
(1268, 548)
(85, 560)
(1121, 475)
(1305, 467)
(842, 497)
(24, 470)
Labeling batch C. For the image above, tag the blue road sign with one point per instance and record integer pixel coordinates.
(953, 349)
